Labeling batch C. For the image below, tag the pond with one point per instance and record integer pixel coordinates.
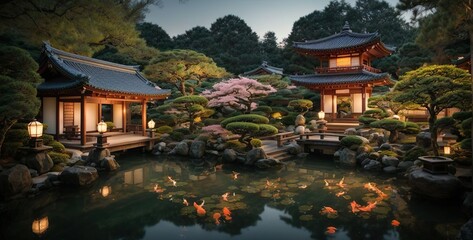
(306, 199)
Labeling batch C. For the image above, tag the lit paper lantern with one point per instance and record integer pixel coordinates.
(35, 129)
(151, 124)
(321, 115)
(40, 226)
(101, 127)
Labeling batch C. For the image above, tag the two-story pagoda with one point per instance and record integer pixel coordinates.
(345, 70)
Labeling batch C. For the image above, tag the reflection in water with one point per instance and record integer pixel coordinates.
(40, 226)
(168, 198)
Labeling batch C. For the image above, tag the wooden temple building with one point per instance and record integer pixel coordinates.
(264, 69)
(79, 92)
(345, 70)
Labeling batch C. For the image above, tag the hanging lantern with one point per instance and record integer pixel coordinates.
(446, 149)
(105, 191)
(101, 127)
(35, 129)
(151, 124)
(40, 226)
(321, 115)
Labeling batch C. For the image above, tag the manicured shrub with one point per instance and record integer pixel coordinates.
(265, 130)
(57, 146)
(414, 153)
(164, 129)
(184, 131)
(58, 157)
(460, 116)
(265, 109)
(47, 139)
(9, 149)
(242, 127)
(373, 112)
(177, 136)
(17, 135)
(250, 118)
(411, 128)
(235, 145)
(289, 119)
(392, 125)
(255, 143)
(366, 120)
(351, 142)
(300, 105)
(110, 125)
(466, 127)
(167, 119)
(466, 144)
(211, 121)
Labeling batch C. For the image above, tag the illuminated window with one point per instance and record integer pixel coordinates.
(343, 62)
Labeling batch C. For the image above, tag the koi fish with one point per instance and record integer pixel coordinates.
(225, 196)
(331, 230)
(216, 217)
(235, 175)
(303, 186)
(328, 210)
(354, 207)
(184, 201)
(395, 223)
(326, 182)
(373, 188)
(172, 180)
(340, 194)
(341, 184)
(199, 208)
(227, 213)
(218, 167)
(368, 207)
(268, 184)
(158, 189)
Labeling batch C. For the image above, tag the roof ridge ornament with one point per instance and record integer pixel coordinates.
(346, 27)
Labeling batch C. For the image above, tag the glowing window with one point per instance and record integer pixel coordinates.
(344, 62)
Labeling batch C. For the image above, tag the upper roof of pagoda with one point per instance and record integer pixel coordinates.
(68, 72)
(263, 69)
(345, 42)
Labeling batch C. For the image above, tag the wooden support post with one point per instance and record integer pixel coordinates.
(334, 104)
(58, 118)
(83, 136)
(124, 116)
(322, 93)
(363, 99)
(143, 117)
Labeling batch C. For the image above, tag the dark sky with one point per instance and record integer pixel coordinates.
(261, 15)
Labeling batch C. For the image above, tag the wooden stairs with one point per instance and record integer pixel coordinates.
(273, 151)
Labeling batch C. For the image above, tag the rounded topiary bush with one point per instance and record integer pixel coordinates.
(242, 127)
(58, 157)
(265, 130)
(249, 118)
(164, 129)
(466, 144)
(177, 136)
(290, 119)
(211, 121)
(413, 153)
(256, 143)
(300, 105)
(57, 146)
(351, 142)
(265, 109)
(235, 145)
(466, 127)
(47, 139)
(366, 120)
(184, 131)
(411, 128)
(460, 116)
(168, 120)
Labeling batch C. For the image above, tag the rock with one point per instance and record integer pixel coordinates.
(229, 155)
(299, 130)
(313, 123)
(15, 180)
(109, 164)
(373, 137)
(78, 176)
(350, 131)
(385, 146)
(441, 186)
(468, 204)
(75, 156)
(302, 155)
(374, 155)
(267, 163)
(390, 169)
(390, 161)
(466, 231)
(347, 157)
(364, 132)
(39, 161)
(255, 154)
(300, 120)
(424, 140)
(404, 165)
(33, 172)
(220, 147)
(290, 128)
(181, 149)
(97, 154)
(294, 149)
(212, 152)
(372, 165)
(361, 157)
(197, 149)
(365, 161)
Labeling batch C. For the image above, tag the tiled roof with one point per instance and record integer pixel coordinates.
(264, 67)
(344, 39)
(97, 74)
(338, 79)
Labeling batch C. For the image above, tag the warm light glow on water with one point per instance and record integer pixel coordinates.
(153, 198)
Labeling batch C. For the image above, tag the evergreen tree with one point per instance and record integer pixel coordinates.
(155, 36)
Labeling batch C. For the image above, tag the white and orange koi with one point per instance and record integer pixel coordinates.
(184, 201)
(172, 181)
(200, 208)
(225, 196)
(341, 184)
(340, 194)
(235, 175)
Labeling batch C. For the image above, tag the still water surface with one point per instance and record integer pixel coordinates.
(302, 200)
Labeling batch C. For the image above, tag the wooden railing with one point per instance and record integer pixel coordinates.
(346, 69)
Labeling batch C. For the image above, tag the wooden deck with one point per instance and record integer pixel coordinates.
(117, 142)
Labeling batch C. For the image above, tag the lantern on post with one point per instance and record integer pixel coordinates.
(40, 226)
(101, 139)
(446, 149)
(151, 124)
(102, 127)
(321, 115)
(105, 191)
(35, 131)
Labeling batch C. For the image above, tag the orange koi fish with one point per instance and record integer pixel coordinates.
(341, 184)
(303, 186)
(216, 217)
(372, 187)
(340, 194)
(395, 223)
(199, 208)
(355, 207)
(327, 210)
(326, 182)
(158, 189)
(331, 230)
(225, 196)
(227, 213)
(184, 201)
(218, 167)
(172, 180)
(368, 207)
(235, 175)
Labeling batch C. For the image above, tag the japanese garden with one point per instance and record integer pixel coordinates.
(357, 125)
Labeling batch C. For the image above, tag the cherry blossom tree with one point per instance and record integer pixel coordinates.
(237, 93)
